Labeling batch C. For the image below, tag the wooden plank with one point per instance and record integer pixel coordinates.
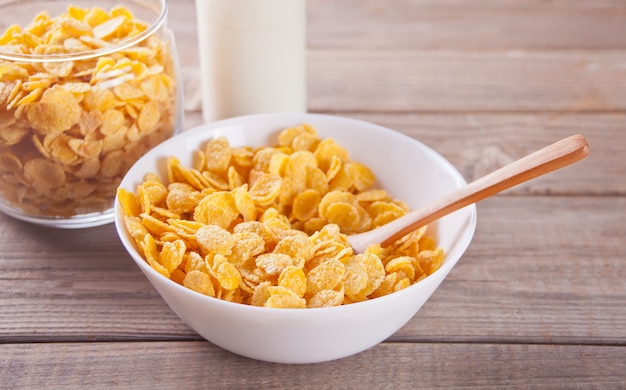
(408, 366)
(445, 81)
(477, 144)
(551, 270)
(375, 81)
(57, 284)
(459, 25)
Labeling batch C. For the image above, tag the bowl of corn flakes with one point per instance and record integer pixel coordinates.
(241, 225)
(86, 88)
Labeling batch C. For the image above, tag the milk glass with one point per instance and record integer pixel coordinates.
(252, 56)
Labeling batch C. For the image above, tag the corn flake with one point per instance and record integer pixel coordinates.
(199, 281)
(56, 111)
(214, 239)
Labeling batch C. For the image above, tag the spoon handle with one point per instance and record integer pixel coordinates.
(548, 159)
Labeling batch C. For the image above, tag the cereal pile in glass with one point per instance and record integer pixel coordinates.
(70, 129)
(267, 226)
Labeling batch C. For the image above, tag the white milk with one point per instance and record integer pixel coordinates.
(252, 56)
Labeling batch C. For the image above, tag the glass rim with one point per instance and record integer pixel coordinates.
(152, 28)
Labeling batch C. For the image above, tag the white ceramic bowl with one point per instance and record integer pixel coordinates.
(405, 167)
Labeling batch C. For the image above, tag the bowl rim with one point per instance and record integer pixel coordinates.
(210, 128)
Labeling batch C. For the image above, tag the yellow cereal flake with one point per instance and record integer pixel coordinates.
(403, 264)
(199, 281)
(150, 251)
(283, 298)
(328, 151)
(218, 155)
(172, 254)
(217, 208)
(129, 202)
(296, 245)
(182, 198)
(274, 263)
(56, 112)
(228, 276)
(305, 204)
(245, 203)
(326, 298)
(44, 175)
(149, 117)
(266, 189)
(213, 239)
(344, 214)
(261, 294)
(325, 276)
(294, 279)
(106, 29)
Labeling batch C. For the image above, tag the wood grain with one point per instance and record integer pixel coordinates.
(574, 81)
(194, 365)
(459, 25)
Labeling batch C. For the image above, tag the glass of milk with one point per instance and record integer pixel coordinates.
(252, 56)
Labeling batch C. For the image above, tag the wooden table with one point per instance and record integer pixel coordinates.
(539, 298)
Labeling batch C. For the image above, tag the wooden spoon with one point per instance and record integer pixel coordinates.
(548, 159)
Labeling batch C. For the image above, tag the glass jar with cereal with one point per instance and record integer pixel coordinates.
(85, 90)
